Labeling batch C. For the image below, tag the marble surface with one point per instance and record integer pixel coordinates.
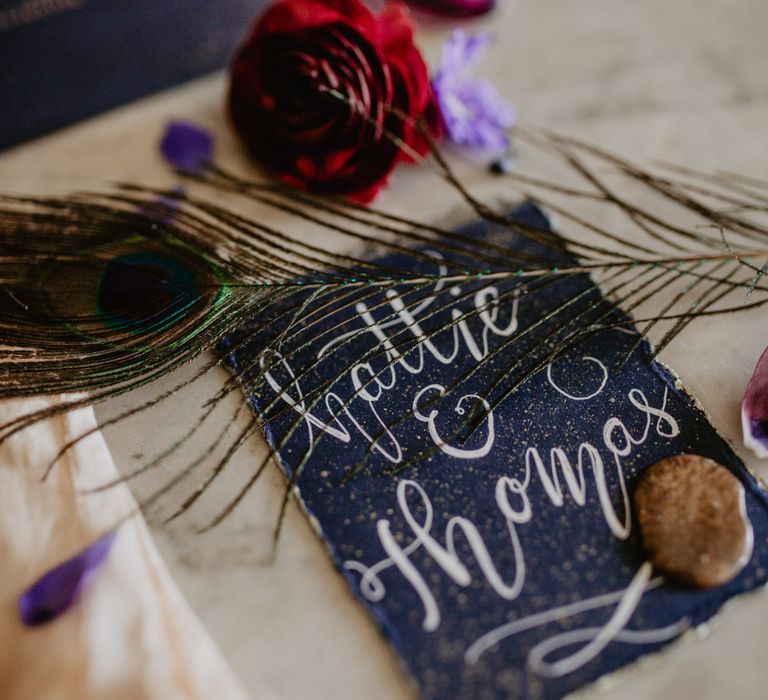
(684, 82)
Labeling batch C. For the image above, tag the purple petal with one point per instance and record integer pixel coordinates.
(475, 115)
(754, 409)
(456, 8)
(54, 592)
(462, 51)
(187, 146)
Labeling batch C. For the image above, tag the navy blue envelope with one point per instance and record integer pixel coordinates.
(503, 561)
(64, 60)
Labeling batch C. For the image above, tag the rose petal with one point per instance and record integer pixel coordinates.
(754, 409)
(456, 8)
(187, 146)
(290, 16)
(55, 592)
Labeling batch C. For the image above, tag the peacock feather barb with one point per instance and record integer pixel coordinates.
(101, 294)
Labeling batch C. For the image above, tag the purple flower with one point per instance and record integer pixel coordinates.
(54, 592)
(473, 112)
(187, 146)
(456, 8)
(754, 409)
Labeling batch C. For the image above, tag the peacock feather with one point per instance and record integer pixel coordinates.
(102, 293)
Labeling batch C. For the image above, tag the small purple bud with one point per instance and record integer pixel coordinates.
(56, 591)
(754, 409)
(187, 146)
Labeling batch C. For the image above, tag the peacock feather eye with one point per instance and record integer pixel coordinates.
(146, 291)
(136, 292)
(95, 297)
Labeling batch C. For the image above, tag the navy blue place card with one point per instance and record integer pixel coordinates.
(64, 60)
(503, 562)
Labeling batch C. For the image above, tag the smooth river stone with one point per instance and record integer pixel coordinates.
(693, 520)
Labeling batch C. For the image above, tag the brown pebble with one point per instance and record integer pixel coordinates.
(693, 520)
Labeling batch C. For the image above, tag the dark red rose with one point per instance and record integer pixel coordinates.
(319, 89)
